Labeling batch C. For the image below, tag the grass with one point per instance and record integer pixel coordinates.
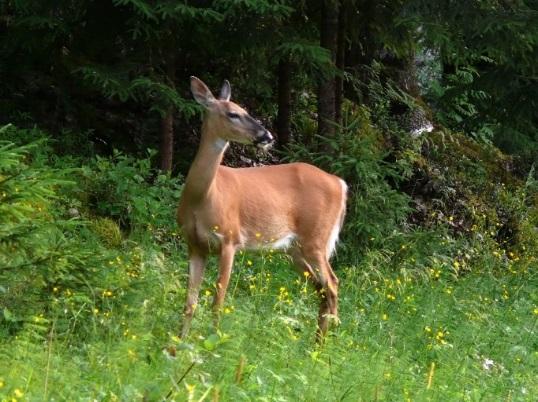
(402, 338)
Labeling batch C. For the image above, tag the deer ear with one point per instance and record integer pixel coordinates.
(225, 91)
(201, 92)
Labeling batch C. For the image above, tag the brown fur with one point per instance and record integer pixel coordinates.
(224, 209)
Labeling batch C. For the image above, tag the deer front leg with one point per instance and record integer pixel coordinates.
(226, 261)
(197, 264)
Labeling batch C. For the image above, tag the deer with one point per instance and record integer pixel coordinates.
(296, 208)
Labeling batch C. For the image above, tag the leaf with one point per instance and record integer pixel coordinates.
(8, 315)
(211, 342)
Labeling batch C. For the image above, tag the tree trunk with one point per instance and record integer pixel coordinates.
(167, 141)
(326, 90)
(167, 123)
(284, 103)
(340, 63)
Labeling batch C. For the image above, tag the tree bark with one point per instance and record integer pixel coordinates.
(167, 141)
(326, 90)
(340, 63)
(284, 103)
(167, 123)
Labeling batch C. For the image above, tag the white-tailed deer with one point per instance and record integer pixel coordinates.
(294, 207)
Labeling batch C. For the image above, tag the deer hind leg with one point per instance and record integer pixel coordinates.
(197, 264)
(328, 309)
(226, 261)
(303, 267)
(325, 282)
(333, 283)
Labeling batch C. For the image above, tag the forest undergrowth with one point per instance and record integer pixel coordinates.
(437, 266)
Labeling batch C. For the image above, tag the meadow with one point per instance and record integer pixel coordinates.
(93, 275)
(434, 337)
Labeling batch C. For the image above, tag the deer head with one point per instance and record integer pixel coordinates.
(229, 121)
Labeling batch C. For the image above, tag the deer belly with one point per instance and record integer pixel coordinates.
(259, 242)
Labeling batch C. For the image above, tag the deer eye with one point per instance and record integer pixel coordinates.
(232, 115)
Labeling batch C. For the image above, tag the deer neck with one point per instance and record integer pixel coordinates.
(203, 170)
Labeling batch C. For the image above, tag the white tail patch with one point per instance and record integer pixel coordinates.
(333, 239)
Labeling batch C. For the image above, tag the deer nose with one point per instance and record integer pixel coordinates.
(264, 138)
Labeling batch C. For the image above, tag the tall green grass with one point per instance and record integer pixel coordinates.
(401, 338)
(92, 285)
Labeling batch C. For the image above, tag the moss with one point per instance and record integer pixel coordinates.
(475, 161)
(470, 187)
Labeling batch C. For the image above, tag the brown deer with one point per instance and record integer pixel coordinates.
(296, 207)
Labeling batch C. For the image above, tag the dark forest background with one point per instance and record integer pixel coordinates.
(116, 72)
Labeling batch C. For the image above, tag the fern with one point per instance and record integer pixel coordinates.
(141, 7)
(308, 54)
(275, 8)
(186, 12)
(114, 83)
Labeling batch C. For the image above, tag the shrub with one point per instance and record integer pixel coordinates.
(358, 154)
(130, 192)
(56, 265)
(108, 231)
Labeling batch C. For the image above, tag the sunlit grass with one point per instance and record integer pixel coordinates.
(427, 336)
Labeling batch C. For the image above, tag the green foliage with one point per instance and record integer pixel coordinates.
(487, 49)
(53, 262)
(25, 208)
(131, 192)
(108, 231)
(116, 84)
(309, 56)
(417, 337)
(37, 250)
(79, 294)
(458, 107)
(358, 155)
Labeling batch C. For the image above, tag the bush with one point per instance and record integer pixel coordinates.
(358, 154)
(58, 261)
(131, 193)
(38, 252)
